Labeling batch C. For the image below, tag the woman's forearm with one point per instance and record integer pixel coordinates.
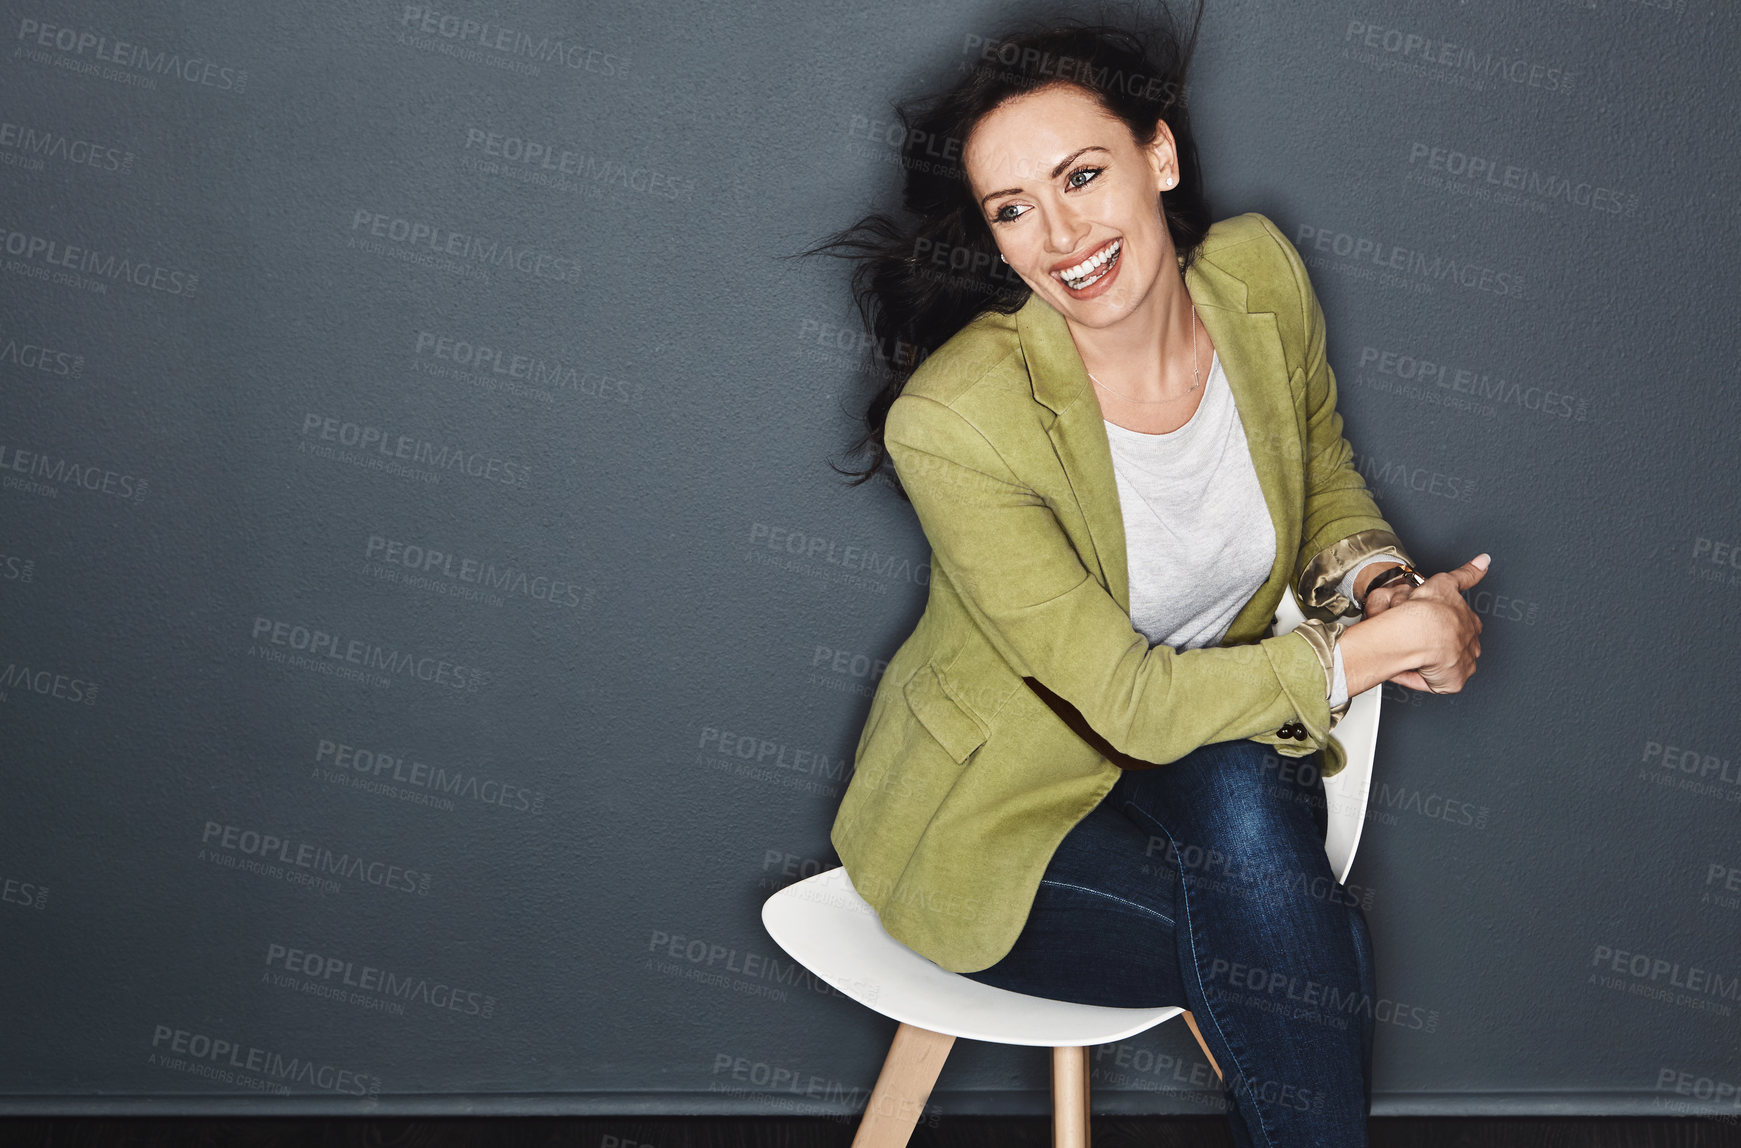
(1376, 649)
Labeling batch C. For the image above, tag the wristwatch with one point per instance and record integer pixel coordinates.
(1385, 577)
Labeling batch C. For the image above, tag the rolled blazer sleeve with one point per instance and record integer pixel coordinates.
(1342, 526)
(1007, 555)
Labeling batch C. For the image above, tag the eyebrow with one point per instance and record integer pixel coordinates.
(1056, 172)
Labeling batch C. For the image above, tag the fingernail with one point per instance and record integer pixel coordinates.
(1482, 561)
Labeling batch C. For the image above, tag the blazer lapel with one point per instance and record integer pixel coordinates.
(1251, 354)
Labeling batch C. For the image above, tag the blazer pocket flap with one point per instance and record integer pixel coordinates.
(957, 730)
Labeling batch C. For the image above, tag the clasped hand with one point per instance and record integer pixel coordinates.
(1446, 630)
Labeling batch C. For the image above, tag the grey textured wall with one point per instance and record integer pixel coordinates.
(429, 627)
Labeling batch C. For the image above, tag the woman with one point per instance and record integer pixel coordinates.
(1088, 774)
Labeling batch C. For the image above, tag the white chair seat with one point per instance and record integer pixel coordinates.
(825, 925)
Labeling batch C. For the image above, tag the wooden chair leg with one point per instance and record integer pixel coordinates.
(1192, 1022)
(1087, 1100)
(1070, 1097)
(916, 1056)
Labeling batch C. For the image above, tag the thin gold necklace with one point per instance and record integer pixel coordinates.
(1196, 371)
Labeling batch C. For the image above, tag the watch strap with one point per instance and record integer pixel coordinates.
(1386, 577)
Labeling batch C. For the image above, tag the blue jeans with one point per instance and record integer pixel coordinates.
(1203, 883)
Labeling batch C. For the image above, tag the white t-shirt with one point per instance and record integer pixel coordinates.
(1198, 535)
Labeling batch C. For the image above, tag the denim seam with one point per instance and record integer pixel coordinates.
(1111, 897)
(1197, 971)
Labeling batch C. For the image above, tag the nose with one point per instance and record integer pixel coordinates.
(1065, 230)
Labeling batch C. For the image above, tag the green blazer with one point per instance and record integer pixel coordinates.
(1024, 689)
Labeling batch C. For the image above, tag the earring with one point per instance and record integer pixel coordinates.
(1171, 181)
(1003, 257)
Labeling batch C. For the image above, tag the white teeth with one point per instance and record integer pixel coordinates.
(1084, 284)
(1074, 276)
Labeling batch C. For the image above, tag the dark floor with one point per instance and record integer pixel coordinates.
(716, 1132)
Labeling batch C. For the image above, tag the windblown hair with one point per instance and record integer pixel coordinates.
(922, 278)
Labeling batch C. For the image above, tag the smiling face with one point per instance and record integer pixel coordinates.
(1071, 198)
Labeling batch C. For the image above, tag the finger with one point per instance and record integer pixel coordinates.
(1412, 680)
(1444, 586)
(1468, 574)
(1396, 592)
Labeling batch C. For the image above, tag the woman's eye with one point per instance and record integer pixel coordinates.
(1090, 172)
(1070, 181)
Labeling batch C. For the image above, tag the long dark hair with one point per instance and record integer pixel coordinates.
(921, 279)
